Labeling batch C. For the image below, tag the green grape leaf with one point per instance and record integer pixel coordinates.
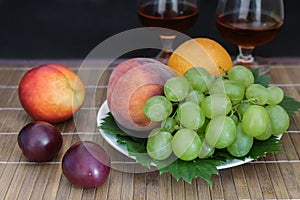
(258, 79)
(290, 105)
(136, 149)
(187, 170)
(109, 125)
(261, 148)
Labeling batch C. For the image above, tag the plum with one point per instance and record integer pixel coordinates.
(40, 141)
(86, 164)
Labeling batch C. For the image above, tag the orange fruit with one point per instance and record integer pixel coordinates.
(200, 52)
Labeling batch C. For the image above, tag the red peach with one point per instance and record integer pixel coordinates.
(51, 93)
(130, 85)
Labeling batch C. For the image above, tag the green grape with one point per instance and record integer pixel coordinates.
(176, 117)
(186, 144)
(267, 134)
(206, 150)
(276, 95)
(231, 88)
(220, 132)
(159, 144)
(215, 105)
(241, 75)
(242, 108)
(218, 86)
(158, 108)
(201, 130)
(169, 125)
(257, 92)
(176, 89)
(279, 118)
(199, 78)
(235, 119)
(190, 115)
(255, 120)
(242, 143)
(195, 96)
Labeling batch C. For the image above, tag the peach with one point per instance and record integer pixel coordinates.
(51, 93)
(130, 85)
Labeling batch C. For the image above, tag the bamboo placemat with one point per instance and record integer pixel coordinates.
(275, 177)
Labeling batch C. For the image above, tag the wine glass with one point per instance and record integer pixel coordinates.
(250, 23)
(176, 15)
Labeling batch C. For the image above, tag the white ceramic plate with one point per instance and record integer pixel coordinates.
(111, 139)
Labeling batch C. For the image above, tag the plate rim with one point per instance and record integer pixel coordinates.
(111, 139)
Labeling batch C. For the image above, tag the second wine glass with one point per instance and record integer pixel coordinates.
(249, 23)
(178, 15)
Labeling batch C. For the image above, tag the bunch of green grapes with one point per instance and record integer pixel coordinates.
(200, 113)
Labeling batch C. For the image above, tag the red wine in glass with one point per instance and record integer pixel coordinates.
(172, 15)
(248, 33)
(179, 21)
(250, 23)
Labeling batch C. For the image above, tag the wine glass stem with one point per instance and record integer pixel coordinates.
(245, 55)
(167, 48)
(167, 43)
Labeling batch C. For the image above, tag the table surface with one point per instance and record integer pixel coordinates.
(277, 176)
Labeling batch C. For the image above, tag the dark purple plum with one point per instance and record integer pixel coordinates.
(40, 141)
(86, 164)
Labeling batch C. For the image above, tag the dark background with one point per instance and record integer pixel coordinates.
(39, 29)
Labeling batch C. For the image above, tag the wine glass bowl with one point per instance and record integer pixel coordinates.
(248, 24)
(172, 15)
